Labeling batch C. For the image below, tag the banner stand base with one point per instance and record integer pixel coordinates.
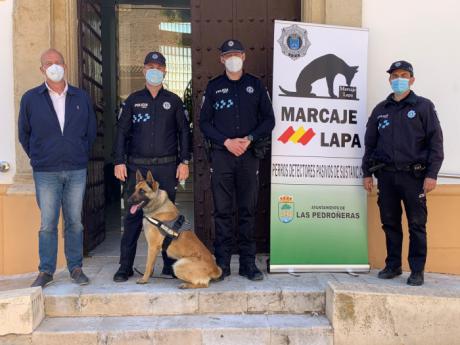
(319, 268)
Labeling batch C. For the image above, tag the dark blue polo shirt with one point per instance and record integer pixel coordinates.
(234, 109)
(152, 127)
(404, 133)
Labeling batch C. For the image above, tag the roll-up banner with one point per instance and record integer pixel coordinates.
(318, 204)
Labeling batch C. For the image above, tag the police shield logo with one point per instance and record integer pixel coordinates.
(250, 89)
(154, 56)
(166, 105)
(411, 114)
(230, 43)
(286, 208)
(294, 41)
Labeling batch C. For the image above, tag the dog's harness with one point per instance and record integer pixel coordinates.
(170, 230)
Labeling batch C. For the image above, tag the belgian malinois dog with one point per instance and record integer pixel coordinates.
(195, 265)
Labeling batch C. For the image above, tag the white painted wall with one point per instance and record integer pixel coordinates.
(427, 34)
(7, 111)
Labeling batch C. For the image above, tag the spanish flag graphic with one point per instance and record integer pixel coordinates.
(301, 135)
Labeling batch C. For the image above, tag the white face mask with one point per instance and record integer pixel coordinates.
(55, 73)
(234, 64)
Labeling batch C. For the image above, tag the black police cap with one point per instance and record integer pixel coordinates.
(401, 64)
(155, 57)
(230, 46)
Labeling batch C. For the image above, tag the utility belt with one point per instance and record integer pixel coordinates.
(152, 161)
(392, 168)
(417, 169)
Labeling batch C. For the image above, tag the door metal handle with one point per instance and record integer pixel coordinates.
(4, 166)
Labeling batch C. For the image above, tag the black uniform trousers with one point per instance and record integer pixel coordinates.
(234, 179)
(395, 187)
(165, 175)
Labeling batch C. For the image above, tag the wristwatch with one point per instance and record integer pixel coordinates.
(250, 138)
(185, 161)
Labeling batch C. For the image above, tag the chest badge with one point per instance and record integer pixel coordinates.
(250, 89)
(166, 105)
(411, 114)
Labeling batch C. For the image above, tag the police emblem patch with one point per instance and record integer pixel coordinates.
(411, 114)
(397, 64)
(230, 43)
(166, 105)
(250, 89)
(154, 56)
(294, 41)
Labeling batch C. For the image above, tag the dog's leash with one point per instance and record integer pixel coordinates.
(142, 273)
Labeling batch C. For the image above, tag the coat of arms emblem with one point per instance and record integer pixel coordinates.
(286, 208)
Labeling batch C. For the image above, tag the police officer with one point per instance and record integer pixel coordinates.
(404, 149)
(152, 135)
(236, 112)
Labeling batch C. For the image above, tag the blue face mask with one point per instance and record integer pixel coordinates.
(400, 85)
(154, 76)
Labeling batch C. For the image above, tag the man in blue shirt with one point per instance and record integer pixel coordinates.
(57, 127)
(404, 150)
(236, 115)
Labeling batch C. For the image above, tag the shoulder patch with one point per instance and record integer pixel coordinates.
(202, 100)
(186, 113)
(122, 105)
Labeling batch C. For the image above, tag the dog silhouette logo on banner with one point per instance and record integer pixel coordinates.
(325, 67)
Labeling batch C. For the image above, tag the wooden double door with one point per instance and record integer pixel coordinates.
(212, 22)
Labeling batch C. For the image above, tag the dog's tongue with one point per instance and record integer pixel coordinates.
(134, 208)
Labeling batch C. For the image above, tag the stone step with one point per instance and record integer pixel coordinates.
(185, 329)
(235, 295)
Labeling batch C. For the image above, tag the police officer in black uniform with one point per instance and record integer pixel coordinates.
(404, 150)
(236, 114)
(152, 135)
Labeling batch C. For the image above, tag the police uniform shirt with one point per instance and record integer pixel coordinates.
(236, 108)
(404, 133)
(152, 127)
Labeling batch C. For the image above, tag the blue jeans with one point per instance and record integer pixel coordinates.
(56, 189)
